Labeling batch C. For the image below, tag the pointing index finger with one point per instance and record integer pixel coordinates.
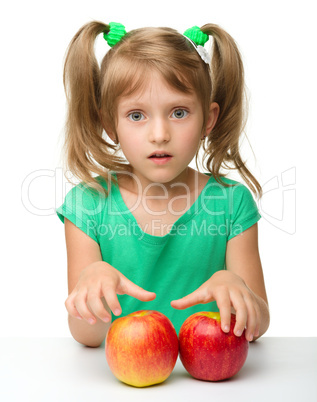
(136, 291)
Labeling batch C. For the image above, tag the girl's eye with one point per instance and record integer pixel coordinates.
(136, 116)
(180, 113)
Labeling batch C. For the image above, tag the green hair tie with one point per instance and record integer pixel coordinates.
(196, 35)
(115, 34)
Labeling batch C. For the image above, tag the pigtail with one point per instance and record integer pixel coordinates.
(228, 90)
(87, 152)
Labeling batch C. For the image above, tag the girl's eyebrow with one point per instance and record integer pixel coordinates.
(177, 101)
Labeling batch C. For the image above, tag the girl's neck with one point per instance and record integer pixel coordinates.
(186, 183)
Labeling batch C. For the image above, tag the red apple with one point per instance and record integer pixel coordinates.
(207, 352)
(142, 348)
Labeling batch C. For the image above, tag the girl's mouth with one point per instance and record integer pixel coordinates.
(160, 156)
(160, 159)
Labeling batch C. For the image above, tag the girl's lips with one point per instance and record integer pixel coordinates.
(160, 160)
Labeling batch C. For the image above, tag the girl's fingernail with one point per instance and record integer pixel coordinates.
(250, 338)
(106, 319)
(226, 328)
(117, 311)
(91, 320)
(238, 332)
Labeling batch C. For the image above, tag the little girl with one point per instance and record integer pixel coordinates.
(143, 229)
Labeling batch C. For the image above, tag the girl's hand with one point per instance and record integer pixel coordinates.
(97, 288)
(228, 290)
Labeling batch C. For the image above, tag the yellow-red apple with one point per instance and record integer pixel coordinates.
(208, 353)
(142, 348)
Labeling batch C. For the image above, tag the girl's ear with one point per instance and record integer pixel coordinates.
(212, 117)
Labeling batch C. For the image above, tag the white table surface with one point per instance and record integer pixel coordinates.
(60, 369)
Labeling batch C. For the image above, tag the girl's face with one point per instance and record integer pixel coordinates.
(160, 119)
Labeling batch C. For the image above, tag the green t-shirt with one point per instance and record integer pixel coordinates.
(173, 265)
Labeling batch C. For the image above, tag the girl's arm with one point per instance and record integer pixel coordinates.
(243, 260)
(93, 286)
(239, 288)
(82, 251)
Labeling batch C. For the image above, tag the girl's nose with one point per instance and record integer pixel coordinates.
(159, 131)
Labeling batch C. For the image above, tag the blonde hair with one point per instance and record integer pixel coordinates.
(93, 93)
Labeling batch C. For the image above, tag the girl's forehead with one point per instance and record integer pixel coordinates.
(154, 86)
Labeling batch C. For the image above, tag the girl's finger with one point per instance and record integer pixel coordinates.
(112, 300)
(241, 313)
(183, 303)
(136, 291)
(97, 307)
(258, 320)
(70, 307)
(224, 305)
(252, 318)
(82, 308)
(196, 297)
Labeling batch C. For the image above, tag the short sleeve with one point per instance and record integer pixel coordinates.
(243, 210)
(82, 207)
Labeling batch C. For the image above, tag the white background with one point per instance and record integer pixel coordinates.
(277, 40)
